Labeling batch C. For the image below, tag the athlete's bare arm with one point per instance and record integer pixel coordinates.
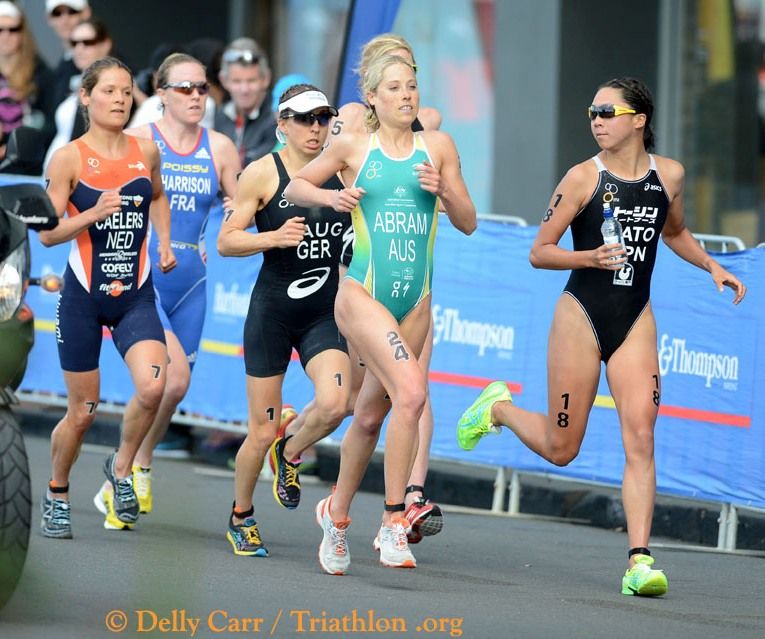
(445, 181)
(343, 156)
(62, 176)
(159, 209)
(568, 199)
(679, 238)
(227, 161)
(349, 119)
(257, 185)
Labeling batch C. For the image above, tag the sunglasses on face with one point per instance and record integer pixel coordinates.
(237, 56)
(64, 11)
(608, 111)
(309, 118)
(187, 88)
(10, 29)
(85, 42)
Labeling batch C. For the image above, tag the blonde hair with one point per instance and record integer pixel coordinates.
(174, 59)
(21, 76)
(371, 80)
(384, 44)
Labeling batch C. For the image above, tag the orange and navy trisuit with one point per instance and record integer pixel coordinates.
(108, 277)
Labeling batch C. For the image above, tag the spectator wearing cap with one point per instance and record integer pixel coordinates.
(247, 118)
(63, 16)
(24, 77)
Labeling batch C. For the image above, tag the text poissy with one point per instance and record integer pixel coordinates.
(674, 357)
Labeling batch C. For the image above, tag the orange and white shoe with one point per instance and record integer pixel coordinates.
(393, 545)
(334, 556)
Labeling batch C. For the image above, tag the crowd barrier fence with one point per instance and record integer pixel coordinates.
(492, 313)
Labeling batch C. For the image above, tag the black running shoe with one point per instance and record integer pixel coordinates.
(56, 518)
(245, 538)
(126, 506)
(286, 479)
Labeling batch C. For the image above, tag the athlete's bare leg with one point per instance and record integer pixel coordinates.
(147, 362)
(635, 383)
(66, 439)
(424, 427)
(390, 352)
(178, 379)
(573, 371)
(330, 373)
(264, 407)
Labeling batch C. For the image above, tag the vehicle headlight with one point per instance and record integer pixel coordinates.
(14, 271)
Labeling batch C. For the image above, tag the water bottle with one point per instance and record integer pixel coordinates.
(611, 229)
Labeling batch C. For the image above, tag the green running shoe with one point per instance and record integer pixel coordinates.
(476, 420)
(643, 580)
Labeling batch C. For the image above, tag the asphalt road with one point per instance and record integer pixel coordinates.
(483, 576)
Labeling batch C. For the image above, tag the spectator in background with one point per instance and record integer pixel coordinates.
(247, 118)
(24, 78)
(90, 41)
(63, 16)
(209, 52)
(150, 109)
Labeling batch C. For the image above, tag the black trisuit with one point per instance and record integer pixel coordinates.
(292, 304)
(614, 300)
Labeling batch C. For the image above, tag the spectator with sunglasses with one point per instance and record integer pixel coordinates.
(605, 312)
(24, 78)
(246, 118)
(63, 16)
(292, 304)
(90, 41)
(195, 163)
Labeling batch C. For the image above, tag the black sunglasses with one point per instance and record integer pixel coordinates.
(85, 42)
(608, 111)
(64, 11)
(10, 29)
(241, 56)
(309, 118)
(187, 88)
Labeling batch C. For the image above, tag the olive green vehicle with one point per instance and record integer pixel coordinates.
(22, 205)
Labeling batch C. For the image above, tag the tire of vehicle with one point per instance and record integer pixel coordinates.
(15, 504)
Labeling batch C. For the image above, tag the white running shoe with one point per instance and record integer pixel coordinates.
(334, 556)
(393, 545)
(99, 501)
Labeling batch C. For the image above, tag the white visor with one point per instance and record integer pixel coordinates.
(306, 102)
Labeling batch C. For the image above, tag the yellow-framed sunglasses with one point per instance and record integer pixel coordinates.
(607, 111)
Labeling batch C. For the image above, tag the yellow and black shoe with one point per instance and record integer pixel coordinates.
(245, 538)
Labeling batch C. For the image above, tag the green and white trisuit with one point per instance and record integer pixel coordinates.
(395, 227)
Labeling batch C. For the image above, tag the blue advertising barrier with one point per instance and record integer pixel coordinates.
(492, 312)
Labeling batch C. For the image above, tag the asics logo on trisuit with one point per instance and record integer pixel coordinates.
(306, 286)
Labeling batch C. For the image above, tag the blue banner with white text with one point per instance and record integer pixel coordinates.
(492, 313)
